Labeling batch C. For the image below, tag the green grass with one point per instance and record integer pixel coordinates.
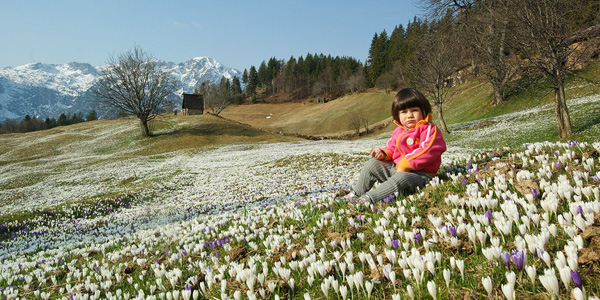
(472, 100)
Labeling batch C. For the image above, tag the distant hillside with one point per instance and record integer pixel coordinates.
(467, 102)
(331, 118)
(120, 138)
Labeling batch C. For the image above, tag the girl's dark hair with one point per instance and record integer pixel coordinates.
(407, 98)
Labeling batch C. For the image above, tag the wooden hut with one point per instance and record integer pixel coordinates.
(193, 104)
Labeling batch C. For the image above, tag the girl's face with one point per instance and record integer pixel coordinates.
(410, 116)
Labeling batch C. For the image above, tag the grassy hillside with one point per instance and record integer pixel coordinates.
(121, 137)
(468, 105)
(472, 100)
(330, 118)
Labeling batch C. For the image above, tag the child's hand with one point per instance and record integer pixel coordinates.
(377, 153)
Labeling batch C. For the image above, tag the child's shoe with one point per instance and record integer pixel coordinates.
(355, 201)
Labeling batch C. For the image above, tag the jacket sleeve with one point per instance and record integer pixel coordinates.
(390, 148)
(427, 155)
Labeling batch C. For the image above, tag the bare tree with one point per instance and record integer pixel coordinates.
(544, 37)
(364, 119)
(355, 122)
(485, 26)
(355, 83)
(431, 70)
(133, 83)
(216, 96)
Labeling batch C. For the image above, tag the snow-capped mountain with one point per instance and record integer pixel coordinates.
(47, 90)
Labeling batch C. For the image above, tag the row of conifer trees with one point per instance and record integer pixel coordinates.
(29, 124)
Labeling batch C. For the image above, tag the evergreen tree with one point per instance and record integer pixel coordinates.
(376, 64)
(252, 82)
(236, 89)
(91, 116)
(245, 77)
(62, 120)
(51, 122)
(263, 74)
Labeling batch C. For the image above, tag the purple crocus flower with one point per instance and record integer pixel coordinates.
(464, 182)
(579, 209)
(506, 258)
(452, 230)
(418, 237)
(488, 215)
(518, 258)
(596, 178)
(389, 198)
(395, 244)
(534, 193)
(576, 278)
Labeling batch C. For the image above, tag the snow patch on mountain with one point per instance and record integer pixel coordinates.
(47, 90)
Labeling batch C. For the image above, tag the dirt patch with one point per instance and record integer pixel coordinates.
(290, 254)
(525, 186)
(481, 125)
(591, 236)
(332, 235)
(238, 254)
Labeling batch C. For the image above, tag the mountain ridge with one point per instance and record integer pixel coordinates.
(47, 90)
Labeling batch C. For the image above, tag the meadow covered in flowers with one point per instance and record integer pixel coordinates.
(270, 221)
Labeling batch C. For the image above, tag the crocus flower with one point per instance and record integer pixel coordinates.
(534, 193)
(432, 289)
(418, 237)
(576, 278)
(518, 258)
(506, 258)
(487, 284)
(452, 230)
(488, 214)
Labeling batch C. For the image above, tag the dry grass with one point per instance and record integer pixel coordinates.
(313, 118)
(121, 138)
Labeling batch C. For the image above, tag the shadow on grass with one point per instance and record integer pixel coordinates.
(210, 129)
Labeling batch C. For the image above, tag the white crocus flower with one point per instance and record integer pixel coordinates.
(432, 289)
(509, 291)
(487, 284)
(550, 282)
(411, 293)
(577, 294)
(343, 292)
(447, 277)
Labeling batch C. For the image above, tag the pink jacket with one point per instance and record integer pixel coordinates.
(419, 148)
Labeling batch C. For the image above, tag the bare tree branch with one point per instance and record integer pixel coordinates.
(133, 83)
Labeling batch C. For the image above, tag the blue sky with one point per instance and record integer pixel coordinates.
(236, 33)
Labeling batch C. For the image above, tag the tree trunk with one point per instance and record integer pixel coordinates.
(441, 117)
(565, 111)
(498, 97)
(145, 131)
(561, 113)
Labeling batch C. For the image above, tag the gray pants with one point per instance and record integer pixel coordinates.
(391, 181)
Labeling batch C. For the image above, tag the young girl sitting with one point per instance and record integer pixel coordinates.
(410, 159)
